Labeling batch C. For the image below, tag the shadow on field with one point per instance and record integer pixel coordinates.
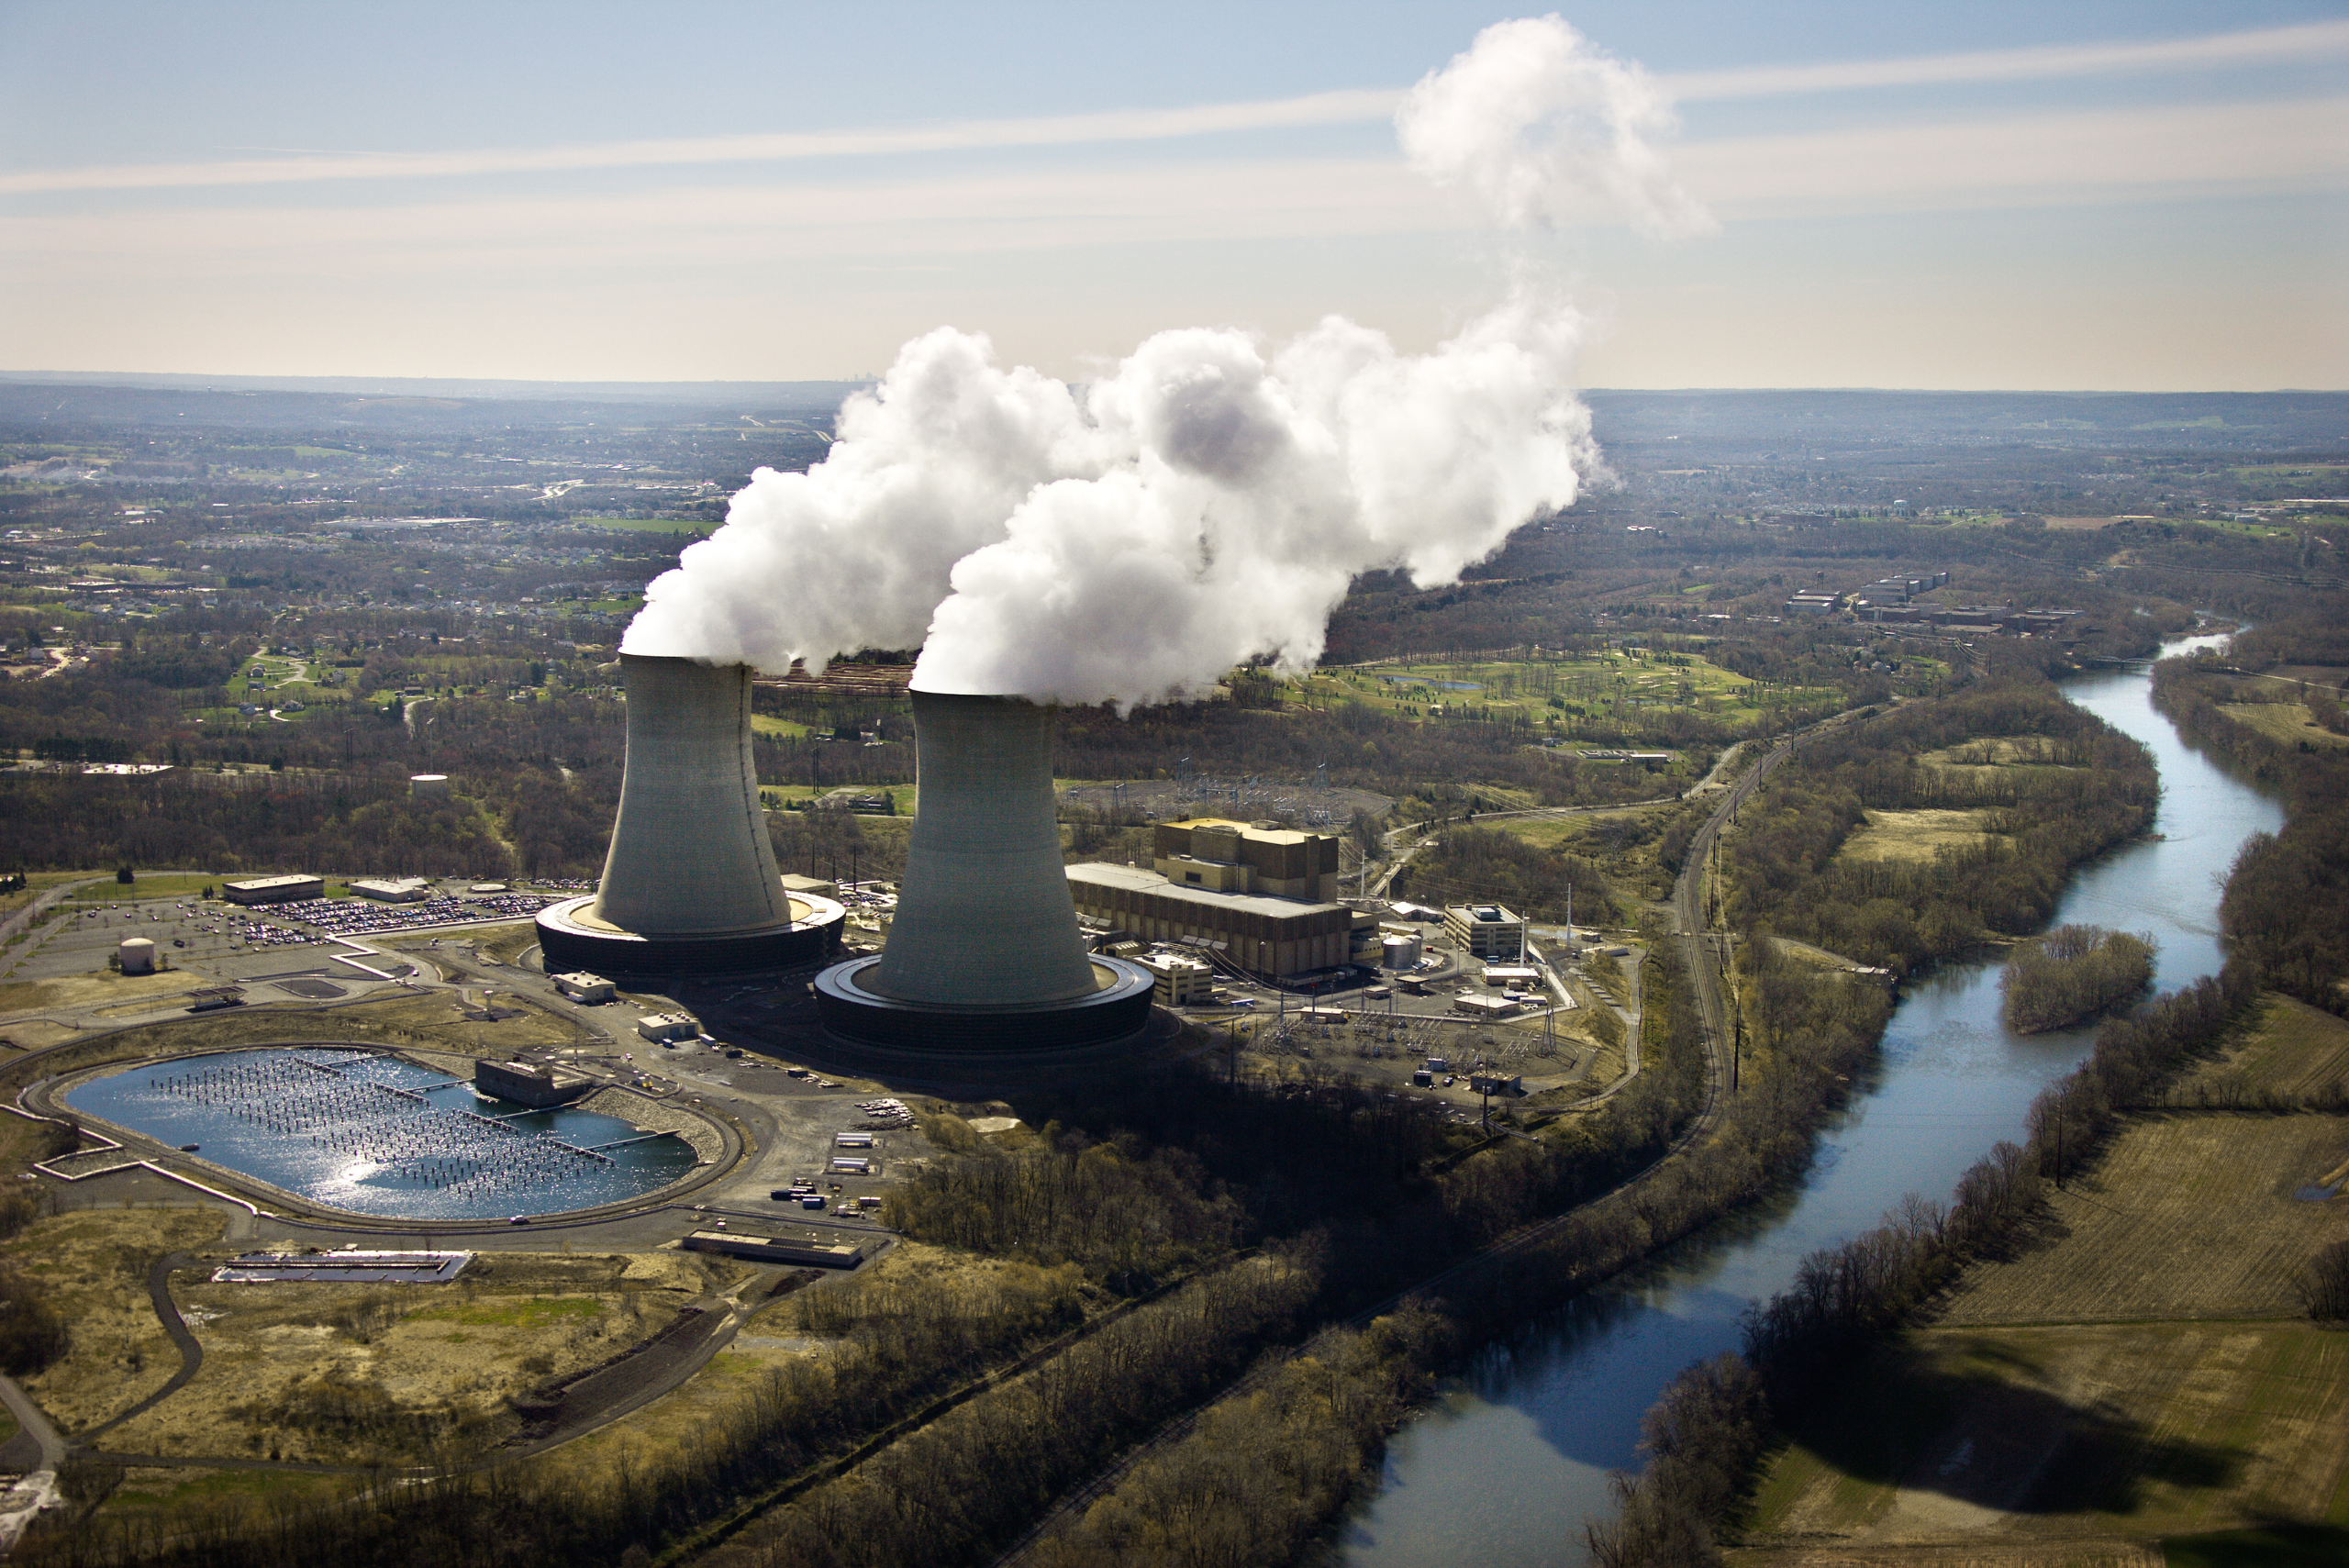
(1997, 1442)
(2264, 1546)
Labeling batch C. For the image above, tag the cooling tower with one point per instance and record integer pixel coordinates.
(690, 884)
(984, 952)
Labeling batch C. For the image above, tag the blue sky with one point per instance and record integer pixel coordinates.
(2089, 194)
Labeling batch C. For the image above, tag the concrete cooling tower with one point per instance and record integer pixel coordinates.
(984, 953)
(690, 884)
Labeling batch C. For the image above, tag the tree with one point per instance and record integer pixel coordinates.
(123, 874)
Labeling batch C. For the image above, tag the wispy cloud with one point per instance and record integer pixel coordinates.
(2320, 40)
(2315, 40)
(2021, 161)
(1057, 130)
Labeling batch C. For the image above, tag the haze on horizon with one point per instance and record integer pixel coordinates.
(2143, 196)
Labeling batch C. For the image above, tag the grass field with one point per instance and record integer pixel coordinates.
(2103, 1435)
(155, 1491)
(646, 525)
(110, 891)
(2287, 721)
(1597, 697)
(2189, 1216)
(1916, 835)
(2292, 1051)
(2136, 1370)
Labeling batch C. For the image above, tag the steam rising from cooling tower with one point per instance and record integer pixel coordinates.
(1210, 500)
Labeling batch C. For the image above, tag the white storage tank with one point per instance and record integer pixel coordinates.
(427, 786)
(138, 955)
(1400, 953)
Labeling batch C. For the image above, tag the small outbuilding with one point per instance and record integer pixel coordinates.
(581, 986)
(664, 1026)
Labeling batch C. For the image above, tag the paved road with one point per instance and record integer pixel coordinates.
(33, 911)
(1705, 950)
(38, 1490)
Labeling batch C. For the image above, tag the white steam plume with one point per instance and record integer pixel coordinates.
(1210, 501)
(854, 553)
(1538, 121)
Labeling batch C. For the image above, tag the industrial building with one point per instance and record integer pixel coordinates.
(1486, 931)
(775, 1250)
(273, 889)
(1265, 936)
(660, 1027)
(528, 1084)
(690, 885)
(394, 890)
(581, 986)
(984, 952)
(1177, 981)
(1239, 857)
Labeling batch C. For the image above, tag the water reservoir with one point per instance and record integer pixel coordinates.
(361, 1131)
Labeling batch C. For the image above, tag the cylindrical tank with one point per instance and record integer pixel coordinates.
(1401, 952)
(984, 915)
(138, 955)
(690, 852)
(427, 786)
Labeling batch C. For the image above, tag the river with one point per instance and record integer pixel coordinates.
(1508, 1463)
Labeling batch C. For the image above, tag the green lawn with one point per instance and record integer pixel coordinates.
(646, 525)
(147, 887)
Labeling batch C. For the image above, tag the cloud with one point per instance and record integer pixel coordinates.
(1352, 105)
(2315, 40)
(1540, 122)
(2320, 40)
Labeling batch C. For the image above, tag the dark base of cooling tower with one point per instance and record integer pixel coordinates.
(568, 939)
(1120, 1010)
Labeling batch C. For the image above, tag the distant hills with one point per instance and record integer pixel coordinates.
(1784, 422)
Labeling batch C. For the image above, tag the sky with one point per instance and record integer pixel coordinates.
(2096, 194)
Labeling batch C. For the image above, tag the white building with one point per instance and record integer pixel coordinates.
(1487, 932)
(393, 889)
(1177, 981)
(581, 986)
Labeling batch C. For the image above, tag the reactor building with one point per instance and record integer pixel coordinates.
(983, 954)
(690, 884)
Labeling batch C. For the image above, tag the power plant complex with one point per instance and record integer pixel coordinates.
(984, 952)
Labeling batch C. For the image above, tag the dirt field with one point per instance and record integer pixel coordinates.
(40, 996)
(2138, 1371)
(1915, 835)
(361, 1374)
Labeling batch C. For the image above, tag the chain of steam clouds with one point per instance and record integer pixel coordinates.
(1211, 500)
